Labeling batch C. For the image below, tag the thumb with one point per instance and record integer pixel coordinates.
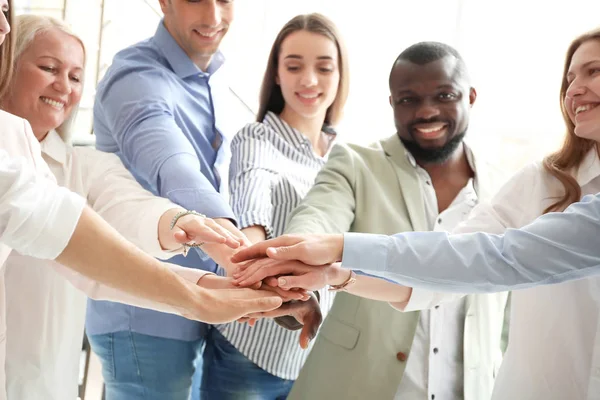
(284, 253)
(180, 236)
(291, 282)
(263, 304)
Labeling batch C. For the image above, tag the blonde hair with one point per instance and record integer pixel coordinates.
(271, 98)
(7, 55)
(28, 27)
(562, 163)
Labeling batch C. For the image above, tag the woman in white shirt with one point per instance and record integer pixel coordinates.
(45, 313)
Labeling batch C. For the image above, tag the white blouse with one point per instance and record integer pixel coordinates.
(45, 313)
(554, 341)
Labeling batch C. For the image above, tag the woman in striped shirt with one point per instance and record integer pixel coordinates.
(274, 164)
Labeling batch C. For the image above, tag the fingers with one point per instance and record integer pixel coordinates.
(288, 295)
(231, 240)
(286, 253)
(201, 229)
(261, 304)
(255, 272)
(308, 281)
(312, 321)
(259, 250)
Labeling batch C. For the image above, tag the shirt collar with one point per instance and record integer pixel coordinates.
(290, 134)
(589, 168)
(54, 147)
(179, 61)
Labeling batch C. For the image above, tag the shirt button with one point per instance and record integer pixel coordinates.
(429, 183)
(401, 356)
(436, 307)
(435, 350)
(439, 220)
(432, 396)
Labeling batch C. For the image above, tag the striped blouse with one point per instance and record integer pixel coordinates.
(272, 168)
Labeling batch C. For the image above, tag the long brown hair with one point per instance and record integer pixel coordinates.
(271, 98)
(562, 163)
(6, 55)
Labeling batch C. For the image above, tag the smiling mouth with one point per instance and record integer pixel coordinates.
(585, 107)
(208, 35)
(432, 131)
(58, 105)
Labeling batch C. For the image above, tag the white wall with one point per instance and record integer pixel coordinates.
(513, 48)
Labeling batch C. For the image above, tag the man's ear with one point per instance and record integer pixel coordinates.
(391, 101)
(472, 96)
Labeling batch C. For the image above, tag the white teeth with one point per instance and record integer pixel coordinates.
(56, 104)
(585, 107)
(208, 35)
(429, 130)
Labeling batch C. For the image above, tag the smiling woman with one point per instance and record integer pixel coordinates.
(274, 164)
(50, 78)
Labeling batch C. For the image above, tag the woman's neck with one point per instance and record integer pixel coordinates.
(309, 127)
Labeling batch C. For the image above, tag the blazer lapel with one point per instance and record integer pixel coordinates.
(408, 182)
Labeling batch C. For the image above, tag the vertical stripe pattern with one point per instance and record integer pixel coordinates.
(272, 168)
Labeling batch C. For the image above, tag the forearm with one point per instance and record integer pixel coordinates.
(379, 289)
(165, 233)
(97, 251)
(99, 291)
(370, 287)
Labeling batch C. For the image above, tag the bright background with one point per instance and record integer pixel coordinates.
(514, 50)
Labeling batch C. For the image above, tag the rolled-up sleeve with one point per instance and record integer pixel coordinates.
(37, 217)
(118, 198)
(152, 144)
(251, 174)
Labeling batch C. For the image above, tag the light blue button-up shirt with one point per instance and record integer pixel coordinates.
(160, 114)
(568, 243)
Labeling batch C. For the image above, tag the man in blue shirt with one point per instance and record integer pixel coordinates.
(160, 107)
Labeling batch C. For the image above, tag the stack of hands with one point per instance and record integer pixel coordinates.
(290, 267)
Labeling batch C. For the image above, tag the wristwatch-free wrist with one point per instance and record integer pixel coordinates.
(344, 286)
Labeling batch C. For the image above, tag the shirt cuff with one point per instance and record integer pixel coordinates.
(366, 252)
(422, 299)
(252, 218)
(60, 223)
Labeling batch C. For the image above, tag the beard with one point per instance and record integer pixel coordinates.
(436, 155)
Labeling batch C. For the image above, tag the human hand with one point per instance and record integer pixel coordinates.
(218, 306)
(199, 229)
(306, 313)
(289, 275)
(210, 281)
(310, 249)
(232, 229)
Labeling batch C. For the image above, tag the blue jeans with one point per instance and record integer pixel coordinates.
(142, 367)
(228, 375)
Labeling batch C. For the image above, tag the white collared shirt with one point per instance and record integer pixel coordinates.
(434, 368)
(36, 216)
(554, 341)
(45, 312)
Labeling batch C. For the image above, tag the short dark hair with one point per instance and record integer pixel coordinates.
(425, 52)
